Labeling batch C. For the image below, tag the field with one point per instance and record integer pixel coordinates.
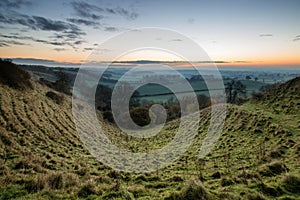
(256, 157)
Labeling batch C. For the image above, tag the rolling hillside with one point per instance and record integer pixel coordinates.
(257, 156)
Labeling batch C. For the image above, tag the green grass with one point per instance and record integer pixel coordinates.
(41, 156)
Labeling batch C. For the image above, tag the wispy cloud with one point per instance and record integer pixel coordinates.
(64, 33)
(297, 38)
(29, 38)
(111, 29)
(176, 40)
(265, 35)
(39, 23)
(191, 20)
(4, 43)
(89, 11)
(14, 4)
(83, 21)
(59, 49)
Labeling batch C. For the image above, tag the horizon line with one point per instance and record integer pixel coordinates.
(219, 63)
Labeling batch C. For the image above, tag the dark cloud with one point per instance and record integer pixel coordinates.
(88, 49)
(191, 20)
(14, 4)
(83, 21)
(266, 35)
(111, 29)
(85, 10)
(59, 49)
(176, 40)
(64, 33)
(15, 36)
(40, 23)
(4, 43)
(89, 11)
(54, 42)
(123, 12)
(297, 38)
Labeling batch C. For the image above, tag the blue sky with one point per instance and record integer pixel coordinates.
(254, 31)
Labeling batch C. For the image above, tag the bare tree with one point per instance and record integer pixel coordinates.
(234, 90)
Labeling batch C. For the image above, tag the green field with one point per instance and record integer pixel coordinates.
(256, 157)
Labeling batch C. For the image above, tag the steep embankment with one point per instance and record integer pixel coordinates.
(256, 157)
(284, 97)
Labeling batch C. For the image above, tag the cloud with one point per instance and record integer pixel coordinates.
(123, 12)
(40, 23)
(14, 4)
(5, 43)
(88, 49)
(85, 10)
(176, 40)
(266, 35)
(59, 49)
(64, 33)
(111, 29)
(83, 21)
(297, 38)
(89, 11)
(54, 42)
(191, 20)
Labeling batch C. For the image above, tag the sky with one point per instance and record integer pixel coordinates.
(232, 32)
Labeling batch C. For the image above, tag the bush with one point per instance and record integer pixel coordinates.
(273, 169)
(87, 190)
(13, 76)
(226, 182)
(56, 181)
(291, 183)
(107, 115)
(35, 185)
(140, 116)
(55, 97)
(270, 191)
(257, 95)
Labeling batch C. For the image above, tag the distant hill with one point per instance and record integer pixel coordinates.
(42, 157)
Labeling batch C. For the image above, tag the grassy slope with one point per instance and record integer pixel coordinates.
(42, 156)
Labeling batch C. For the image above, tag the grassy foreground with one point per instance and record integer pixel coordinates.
(256, 157)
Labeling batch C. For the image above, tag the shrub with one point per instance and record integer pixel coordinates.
(226, 182)
(55, 97)
(71, 180)
(87, 190)
(35, 185)
(56, 181)
(140, 116)
(273, 169)
(291, 183)
(107, 115)
(270, 191)
(62, 84)
(216, 175)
